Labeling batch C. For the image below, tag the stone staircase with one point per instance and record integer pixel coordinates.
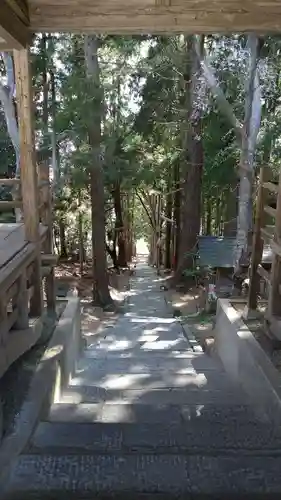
(145, 417)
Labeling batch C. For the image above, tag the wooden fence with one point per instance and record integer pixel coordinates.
(18, 257)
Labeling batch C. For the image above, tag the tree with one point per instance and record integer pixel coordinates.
(7, 96)
(247, 136)
(93, 115)
(193, 162)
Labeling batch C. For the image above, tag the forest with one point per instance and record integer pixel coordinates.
(154, 137)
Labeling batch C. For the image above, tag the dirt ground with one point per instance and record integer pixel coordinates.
(92, 318)
(69, 273)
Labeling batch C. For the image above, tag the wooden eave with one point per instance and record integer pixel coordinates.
(20, 18)
(14, 24)
(155, 16)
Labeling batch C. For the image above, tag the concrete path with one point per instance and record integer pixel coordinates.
(145, 359)
(146, 417)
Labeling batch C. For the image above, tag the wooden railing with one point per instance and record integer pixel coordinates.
(18, 330)
(43, 187)
(16, 291)
(268, 210)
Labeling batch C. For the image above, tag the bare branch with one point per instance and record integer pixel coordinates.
(146, 211)
(217, 92)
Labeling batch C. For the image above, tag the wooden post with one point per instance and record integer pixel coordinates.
(158, 235)
(47, 220)
(274, 302)
(21, 302)
(257, 249)
(28, 172)
(3, 321)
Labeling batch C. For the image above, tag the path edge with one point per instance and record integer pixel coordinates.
(186, 329)
(50, 377)
(246, 362)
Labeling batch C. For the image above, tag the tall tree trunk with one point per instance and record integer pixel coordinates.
(63, 246)
(249, 138)
(93, 112)
(176, 215)
(7, 92)
(218, 214)
(230, 223)
(193, 163)
(203, 214)
(128, 216)
(113, 253)
(119, 225)
(54, 137)
(80, 235)
(129, 235)
(158, 232)
(169, 208)
(209, 216)
(45, 103)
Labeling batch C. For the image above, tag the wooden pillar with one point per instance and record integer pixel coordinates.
(21, 303)
(28, 172)
(47, 220)
(257, 249)
(274, 302)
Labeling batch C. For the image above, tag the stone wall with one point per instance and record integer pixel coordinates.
(246, 362)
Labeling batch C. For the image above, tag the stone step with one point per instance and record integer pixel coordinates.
(139, 477)
(190, 357)
(112, 342)
(143, 413)
(192, 395)
(140, 349)
(196, 436)
(129, 363)
(108, 380)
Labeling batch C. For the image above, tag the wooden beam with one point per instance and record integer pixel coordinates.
(6, 206)
(11, 272)
(276, 248)
(270, 186)
(28, 170)
(20, 302)
(50, 259)
(266, 234)
(159, 16)
(16, 181)
(45, 271)
(9, 182)
(257, 251)
(20, 9)
(47, 220)
(274, 302)
(263, 273)
(270, 211)
(12, 29)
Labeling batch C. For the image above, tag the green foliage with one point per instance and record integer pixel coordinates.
(144, 126)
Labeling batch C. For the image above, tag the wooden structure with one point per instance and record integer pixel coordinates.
(268, 209)
(25, 248)
(19, 18)
(21, 297)
(19, 328)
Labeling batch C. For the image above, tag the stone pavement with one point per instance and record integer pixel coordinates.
(146, 417)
